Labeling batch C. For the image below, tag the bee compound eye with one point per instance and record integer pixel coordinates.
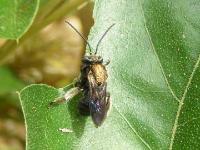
(86, 59)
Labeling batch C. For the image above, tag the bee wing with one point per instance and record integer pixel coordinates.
(97, 100)
(98, 107)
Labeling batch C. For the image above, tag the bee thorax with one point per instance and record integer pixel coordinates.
(99, 73)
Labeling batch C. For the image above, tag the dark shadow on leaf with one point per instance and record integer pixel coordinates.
(78, 121)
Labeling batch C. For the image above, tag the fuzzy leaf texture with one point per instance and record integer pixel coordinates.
(16, 16)
(154, 82)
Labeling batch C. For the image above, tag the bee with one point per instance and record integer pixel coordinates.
(92, 83)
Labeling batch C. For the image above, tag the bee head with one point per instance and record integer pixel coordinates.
(92, 59)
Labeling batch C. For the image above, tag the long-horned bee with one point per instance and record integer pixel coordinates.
(92, 82)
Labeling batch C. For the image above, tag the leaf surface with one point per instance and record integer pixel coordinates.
(16, 16)
(154, 82)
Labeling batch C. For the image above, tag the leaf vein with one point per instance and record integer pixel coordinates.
(174, 129)
(189, 121)
(154, 50)
(132, 128)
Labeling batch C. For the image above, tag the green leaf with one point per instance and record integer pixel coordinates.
(154, 82)
(9, 82)
(16, 16)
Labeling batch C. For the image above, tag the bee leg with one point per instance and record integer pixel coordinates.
(83, 107)
(76, 81)
(67, 96)
(106, 63)
(109, 103)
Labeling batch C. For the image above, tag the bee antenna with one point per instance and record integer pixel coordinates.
(102, 38)
(85, 40)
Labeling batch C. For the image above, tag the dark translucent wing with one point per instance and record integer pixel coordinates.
(97, 101)
(98, 110)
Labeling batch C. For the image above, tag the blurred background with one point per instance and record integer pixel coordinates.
(50, 53)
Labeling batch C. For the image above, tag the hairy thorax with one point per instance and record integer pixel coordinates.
(99, 72)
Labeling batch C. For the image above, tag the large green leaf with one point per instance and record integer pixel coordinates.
(16, 17)
(154, 82)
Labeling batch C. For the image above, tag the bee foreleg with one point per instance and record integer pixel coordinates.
(66, 98)
(106, 63)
